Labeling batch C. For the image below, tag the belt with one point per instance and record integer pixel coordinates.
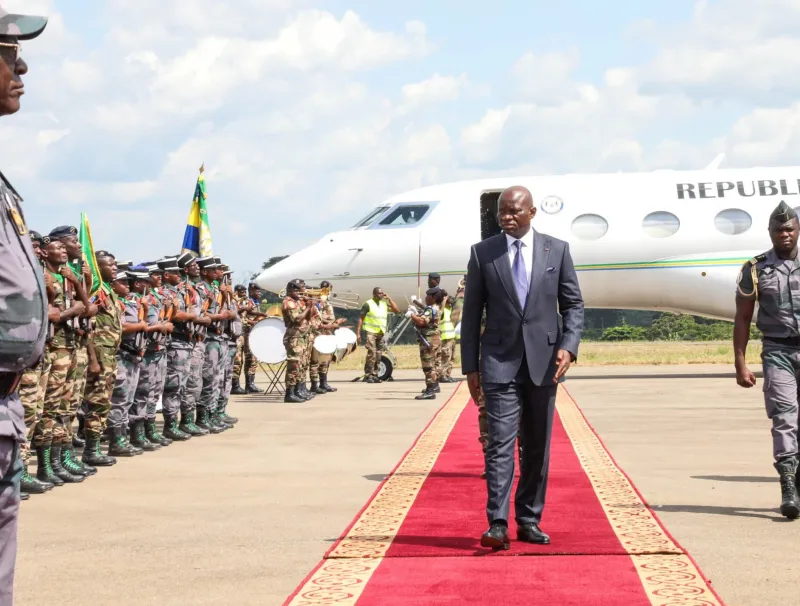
(9, 381)
(788, 341)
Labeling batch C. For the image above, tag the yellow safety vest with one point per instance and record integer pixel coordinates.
(377, 318)
(447, 328)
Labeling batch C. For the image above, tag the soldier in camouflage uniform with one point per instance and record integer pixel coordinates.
(251, 315)
(143, 409)
(212, 362)
(129, 358)
(296, 318)
(200, 327)
(82, 354)
(31, 392)
(772, 279)
(105, 340)
(240, 296)
(430, 341)
(179, 350)
(318, 369)
(23, 305)
(232, 333)
(50, 434)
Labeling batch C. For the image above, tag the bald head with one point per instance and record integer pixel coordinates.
(515, 210)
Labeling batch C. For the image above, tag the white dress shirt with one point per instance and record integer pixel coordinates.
(526, 251)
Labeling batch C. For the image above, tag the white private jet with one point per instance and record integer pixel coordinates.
(663, 241)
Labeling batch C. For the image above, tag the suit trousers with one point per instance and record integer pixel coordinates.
(519, 406)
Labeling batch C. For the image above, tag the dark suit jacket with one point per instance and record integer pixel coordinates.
(537, 331)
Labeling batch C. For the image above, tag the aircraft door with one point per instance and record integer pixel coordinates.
(489, 225)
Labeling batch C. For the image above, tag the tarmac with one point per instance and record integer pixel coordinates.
(244, 516)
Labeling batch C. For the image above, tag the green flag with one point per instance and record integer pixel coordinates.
(87, 252)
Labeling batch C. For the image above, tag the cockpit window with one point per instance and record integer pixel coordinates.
(371, 217)
(404, 215)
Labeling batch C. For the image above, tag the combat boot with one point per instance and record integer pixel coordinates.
(120, 447)
(92, 454)
(236, 389)
(215, 420)
(227, 418)
(291, 395)
(315, 388)
(73, 466)
(139, 438)
(436, 388)
(79, 437)
(790, 500)
(31, 485)
(172, 431)
(427, 394)
(323, 383)
(151, 433)
(188, 425)
(23, 496)
(58, 468)
(250, 387)
(303, 392)
(204, 421)
(44, 470)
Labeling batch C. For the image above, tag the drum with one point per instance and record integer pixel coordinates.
(346, 341)
(266, 341)
(325, 344)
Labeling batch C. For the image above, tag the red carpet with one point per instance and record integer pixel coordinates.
(417, 540)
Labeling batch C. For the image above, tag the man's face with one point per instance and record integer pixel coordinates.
(378, 294)
(121, 288)
(36, 248)
(56, 253)
(107, 267)
(433, 282)
(514, 215)
(255, 292)
(156, 280)
(12, 68)
(140, 286)
(784, 235)
(73, 247)
(193, 270)
(172, 278)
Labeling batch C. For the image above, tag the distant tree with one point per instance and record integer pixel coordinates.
(272, 261)
(624, 333)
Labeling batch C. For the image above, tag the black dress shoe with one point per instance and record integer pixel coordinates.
(531, 533)
(496, 537)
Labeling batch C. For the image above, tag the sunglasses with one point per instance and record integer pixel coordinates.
(10, 52)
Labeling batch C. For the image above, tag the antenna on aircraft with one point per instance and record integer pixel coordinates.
(716, 162)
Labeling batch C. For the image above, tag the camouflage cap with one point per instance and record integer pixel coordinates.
(783, 213)
(22, 27)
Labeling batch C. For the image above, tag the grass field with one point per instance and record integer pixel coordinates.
(595, 353)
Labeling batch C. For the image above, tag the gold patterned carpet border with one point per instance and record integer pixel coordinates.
(668, 575)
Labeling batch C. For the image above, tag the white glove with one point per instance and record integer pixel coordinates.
(414, 299)
(409, 313)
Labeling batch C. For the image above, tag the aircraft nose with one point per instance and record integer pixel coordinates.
(275, 278)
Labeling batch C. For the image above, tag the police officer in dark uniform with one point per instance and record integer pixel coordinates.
(773, 280)
(23, 303)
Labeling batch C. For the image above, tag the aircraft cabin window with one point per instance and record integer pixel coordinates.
(371, 217)
(661, 224)
(589, 227)
(732, 221)
(405, 215)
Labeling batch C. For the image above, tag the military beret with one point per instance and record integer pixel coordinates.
(783, 213)
(239, 287)
(207, 263)
(186, 259)
(433, 291)
(63, 231)
(103, 253)
(169, 264)
(35, 236)
(46, 240)
(295, 285)
(434, 276)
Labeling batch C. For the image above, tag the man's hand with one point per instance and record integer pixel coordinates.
(203, 321)
(94, 368)
(474, 384)
(91, 312)
(563, 361)
(69, 275)
(745, 378)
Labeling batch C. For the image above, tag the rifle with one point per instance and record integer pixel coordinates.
(139, 341)
(200, 330)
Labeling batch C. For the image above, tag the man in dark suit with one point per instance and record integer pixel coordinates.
(524, 280)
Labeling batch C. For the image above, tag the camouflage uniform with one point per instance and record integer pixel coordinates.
(429, 353)
(49, 430)
(194, 382)
(319, 362)
(212, 362)
(162, 342)
(106, 337)
(76, 377)
(243, 353)
(233, 336)
(129, 360)
(31, 393)
(179, 353)
(294, 340)
(23, 305)
(148, 369)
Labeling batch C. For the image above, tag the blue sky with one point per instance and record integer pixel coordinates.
(307, 112)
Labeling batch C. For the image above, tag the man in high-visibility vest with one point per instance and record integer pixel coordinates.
(375, 321)
(444, 364)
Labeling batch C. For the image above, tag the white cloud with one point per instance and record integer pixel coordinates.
(435, 89)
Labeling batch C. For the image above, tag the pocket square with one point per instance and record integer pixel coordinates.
(551, 269)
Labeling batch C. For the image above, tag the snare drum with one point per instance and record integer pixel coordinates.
(266, 341)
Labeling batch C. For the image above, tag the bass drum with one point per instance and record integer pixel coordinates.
(266, 341)
(346, 343)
